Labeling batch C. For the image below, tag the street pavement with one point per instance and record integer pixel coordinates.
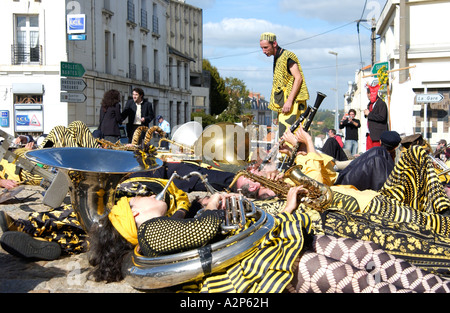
(69, 274)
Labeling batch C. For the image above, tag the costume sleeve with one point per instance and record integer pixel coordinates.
(319, 167)
(164, 235)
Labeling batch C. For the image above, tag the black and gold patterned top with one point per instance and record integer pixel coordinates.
(165, 235)
(283, 82)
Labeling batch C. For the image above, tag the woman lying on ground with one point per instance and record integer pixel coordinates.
(290, 258)
(145, 221)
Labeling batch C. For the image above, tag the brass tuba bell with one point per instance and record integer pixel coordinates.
(93, 175)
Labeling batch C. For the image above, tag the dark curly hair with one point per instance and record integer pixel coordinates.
(110, 98)
(107, 250)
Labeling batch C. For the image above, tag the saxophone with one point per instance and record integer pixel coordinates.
(319, 195)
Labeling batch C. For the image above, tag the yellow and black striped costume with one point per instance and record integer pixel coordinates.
(406, 219)
(269, 269)
(59, 225)
(75, 135)
(282, 87)
(11, 171)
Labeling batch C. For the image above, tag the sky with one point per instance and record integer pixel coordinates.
(309, 28)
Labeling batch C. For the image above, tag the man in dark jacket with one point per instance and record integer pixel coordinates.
(377, 117)
(138, 111)
(372, 168)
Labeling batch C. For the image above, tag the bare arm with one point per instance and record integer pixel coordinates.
(298, 80)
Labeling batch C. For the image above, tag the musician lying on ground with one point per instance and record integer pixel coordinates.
(395, 224)
(157, 235)
(368, 171)
(141, 221)
(72, 237)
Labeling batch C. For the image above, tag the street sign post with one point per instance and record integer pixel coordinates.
(73, 84)
(376, 67)
(72, 69)
(73, 97)
(429, 98)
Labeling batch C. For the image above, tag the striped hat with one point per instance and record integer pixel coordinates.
(270, 37)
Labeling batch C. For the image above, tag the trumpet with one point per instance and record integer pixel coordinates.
(203, 178)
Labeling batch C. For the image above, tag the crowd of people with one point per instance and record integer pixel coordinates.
(385, 229)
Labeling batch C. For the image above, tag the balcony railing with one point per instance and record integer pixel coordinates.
(144, 19)
(132, 71)
(145, 74)
(25, 54)
(155, 28)
(156, 76)
(130, 12)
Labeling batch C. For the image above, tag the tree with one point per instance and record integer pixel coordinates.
(218, 96)
(236, 93)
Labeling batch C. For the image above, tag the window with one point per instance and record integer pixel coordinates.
(155, 22)
(144, 17)
(107, 52)
(131, 56)
(130, 11)
(26, 48)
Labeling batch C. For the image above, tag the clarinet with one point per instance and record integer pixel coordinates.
(293, 127)
(319, 99)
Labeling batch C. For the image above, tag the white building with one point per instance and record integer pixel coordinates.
(414, 43)
(124, 45)
(413, 37)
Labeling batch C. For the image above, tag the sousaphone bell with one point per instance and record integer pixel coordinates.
(225, 146)
(93, 175)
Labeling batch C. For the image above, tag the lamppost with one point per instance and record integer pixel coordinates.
(336, 113)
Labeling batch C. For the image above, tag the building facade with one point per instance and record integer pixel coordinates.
(413, 43)
(98, 45)
(418, 60)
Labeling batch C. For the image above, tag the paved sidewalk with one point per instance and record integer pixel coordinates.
(65, 275)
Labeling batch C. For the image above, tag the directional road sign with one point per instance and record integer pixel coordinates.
(72, 69)
(73, 97)
(376, 67)
(429, 98)
(72, 84)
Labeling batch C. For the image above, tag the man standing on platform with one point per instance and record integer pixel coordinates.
(289, 91)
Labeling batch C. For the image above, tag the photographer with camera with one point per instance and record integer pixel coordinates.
(351, 125)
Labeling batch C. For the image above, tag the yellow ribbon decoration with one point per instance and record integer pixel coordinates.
(123, 220)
